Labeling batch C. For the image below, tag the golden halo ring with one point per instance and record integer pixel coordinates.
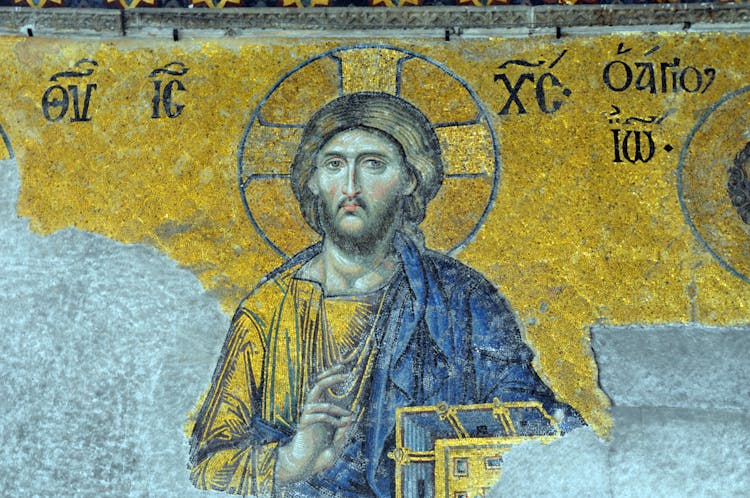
(470, 147)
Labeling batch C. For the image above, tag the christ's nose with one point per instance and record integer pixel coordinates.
(351, 187)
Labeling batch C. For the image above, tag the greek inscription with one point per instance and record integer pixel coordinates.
(633, 138)
(59, 99)
(56, 97)
(164, 98)
(662, 77)
(549, 91)
(632, 144)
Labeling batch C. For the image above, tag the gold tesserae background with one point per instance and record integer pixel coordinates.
(587, 225)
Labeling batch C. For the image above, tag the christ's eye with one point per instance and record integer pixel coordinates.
(334, 164)
(373, 164)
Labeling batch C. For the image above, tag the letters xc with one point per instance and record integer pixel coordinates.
(542, 86)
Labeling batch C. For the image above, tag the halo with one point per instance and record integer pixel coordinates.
(702, 175)
(6, 142)
(470, 148)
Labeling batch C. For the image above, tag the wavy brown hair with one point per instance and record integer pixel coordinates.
(392, 116)
(738, 184)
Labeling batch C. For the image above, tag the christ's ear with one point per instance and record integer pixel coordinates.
(411, 185)
(312, 186)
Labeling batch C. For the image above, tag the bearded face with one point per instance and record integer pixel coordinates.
(360, 183)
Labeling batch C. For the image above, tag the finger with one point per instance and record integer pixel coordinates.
(328, 408)
(331, 371)
(332, 380)
(316, 393)
(341, 436)
(307, 420)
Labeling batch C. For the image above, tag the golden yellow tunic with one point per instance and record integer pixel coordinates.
(282, 336)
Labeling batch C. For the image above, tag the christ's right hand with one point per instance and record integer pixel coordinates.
(321, 432)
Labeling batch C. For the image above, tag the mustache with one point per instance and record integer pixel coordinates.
(353, 200)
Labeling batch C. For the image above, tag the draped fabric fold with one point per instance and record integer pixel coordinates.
(444, 334)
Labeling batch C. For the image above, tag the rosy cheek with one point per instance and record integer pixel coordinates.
(381, 191)
(327, 186)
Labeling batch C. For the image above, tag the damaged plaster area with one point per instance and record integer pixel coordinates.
(104, 350)
(680, 401)
(105, 347)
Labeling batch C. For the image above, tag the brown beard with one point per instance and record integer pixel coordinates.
(365, 242)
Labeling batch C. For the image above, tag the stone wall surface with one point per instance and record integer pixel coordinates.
(676, 433)
(104, 346)
(597, 180)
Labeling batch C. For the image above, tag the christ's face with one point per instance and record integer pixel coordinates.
(360, 181)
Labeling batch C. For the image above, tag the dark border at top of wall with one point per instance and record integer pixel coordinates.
(509, 20)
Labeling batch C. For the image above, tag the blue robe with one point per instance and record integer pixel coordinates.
(448, 336)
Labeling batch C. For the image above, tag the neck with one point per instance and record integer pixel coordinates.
(343, 272)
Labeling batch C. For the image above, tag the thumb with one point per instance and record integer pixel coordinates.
(340, 437)
(325, 460)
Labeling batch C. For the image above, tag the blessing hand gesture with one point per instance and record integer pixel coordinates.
(321, 432)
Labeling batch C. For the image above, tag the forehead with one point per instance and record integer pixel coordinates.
(359, 141)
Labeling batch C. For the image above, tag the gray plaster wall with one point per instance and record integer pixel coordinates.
(104, 348)
(680, 400)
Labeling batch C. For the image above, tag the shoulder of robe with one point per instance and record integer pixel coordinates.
(457, 275)
(263, 302)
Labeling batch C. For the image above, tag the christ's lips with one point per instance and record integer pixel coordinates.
(351, 205)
